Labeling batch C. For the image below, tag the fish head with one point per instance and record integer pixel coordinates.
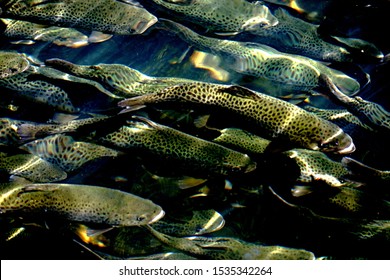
(263, 19)
(340, 143)
(12, 63)
(143, 214)
(239, 163)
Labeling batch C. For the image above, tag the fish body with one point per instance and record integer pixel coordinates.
(12, 63)
(26, 80)
(81, 203)
(110, 16)
(171, 144)
(296, 36)
(31, 167)
(66, 153)
(202, 222)
(376, 229)
(341, 117)
(277, 118)
(119, 79)
(225, 248)
(277, 70)
(365, 172)
(242, 140)
(8, 132)
(225, 16)
(370, 113)
(315, 166)
(62, 36)
(28, 131)
(344, 202)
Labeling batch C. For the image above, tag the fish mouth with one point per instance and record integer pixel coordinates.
(157, 217)
(348, 150)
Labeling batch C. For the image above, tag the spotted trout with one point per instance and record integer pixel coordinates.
(279, 119)
(276, 71)
(226, 16)
(81, 203)
(111, 16)
(171, 144)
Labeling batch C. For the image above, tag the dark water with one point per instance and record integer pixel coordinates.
(264, 218)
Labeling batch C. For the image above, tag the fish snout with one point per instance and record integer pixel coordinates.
(340, 143)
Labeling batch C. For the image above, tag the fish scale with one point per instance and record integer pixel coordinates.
(171, 144)
(82, 203)
(102, 15)
(278, 118)
(227, 16)
(286, 71)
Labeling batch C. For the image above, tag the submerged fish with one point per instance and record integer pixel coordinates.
(110, 16)
(12, 63)
(202, 222)
(28, 82)
(370, 113)
(316, 166)
(28, 32)
(171, 144)
(278, 118)
(225, 248)
(119, 79)
(277, 70)
(376, 229)
(81, 203)
(31, 167)
(8, 132)
(340, 117)
(366, 173)
(222, 16)
(31, 130)
(293, 35)
(242, 140)
(342, 202)
(66, 153)
(296, 36)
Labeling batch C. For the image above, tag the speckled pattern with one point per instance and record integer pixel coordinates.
(368, 112)
(223, 15)
(341, 117)
(30, 130)
(292, 72)
(66, 153)
(278, 118)
(293, 35)
(25, 80)
(8, 132)
(81, 203)
(202, 222)
(226, 248)
(62, 36)
(169, 143)
(31, 167)
(316, 166)
(121, 80)
(12, 63)
(242, 140)
(39, 91)
(109, 16)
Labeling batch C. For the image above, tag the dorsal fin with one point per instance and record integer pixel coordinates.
(40, 188)
(240, 91)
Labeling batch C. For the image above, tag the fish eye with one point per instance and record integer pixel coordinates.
(140, 218)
